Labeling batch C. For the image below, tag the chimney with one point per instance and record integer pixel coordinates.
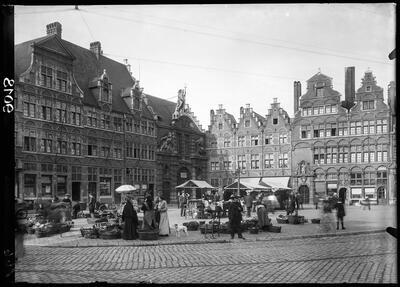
(297, 95)
(95, 47)
(349, 84)
(54, 29)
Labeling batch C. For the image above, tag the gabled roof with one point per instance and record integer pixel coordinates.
(195, 184)
(85, 67)
(163, 108)
(319, 76)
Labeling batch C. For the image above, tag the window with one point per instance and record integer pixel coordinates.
(381, 126)
(92, 173)
(368, 105)
(315, 110)
(29, 106)
(321, 110)
(144, 127)
(330, 130)
(343, 130)
(118, 152)
(117, 177)
(319, 131)
(269, 160)
(129, 149)
(343, 154)
(76, 173)
(214, 166)
(254, 140)
(136, 124)
(255, 161)
(268, 139)
(227, 165)
(61, 185)
(75, 148)
(220, 126)
(283, 160)
(305, 132)
(356, 178)
(319, 156)
(105, 151)
(382, 152)
(283, 138)
(61, 112)
(136, 150)
(92, 119)
(29, 143)
(368, 89)
(46, 110)
(129, 124)
(381, 177)
(105, 121)
(92, 150)
(227, 143)
(369, 178)
(320, 92)
(118, 124)
(151, 128)
(29, 185)
(358, 127)
(241, 141)
(241, 161)
(275, 121)
(61, 146)
(46, 145)
(46, 185)
(105, 90)
(247, 123)
(75, 115)
(46, 76)
(61, 83)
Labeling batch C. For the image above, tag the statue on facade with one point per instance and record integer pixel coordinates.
(180, 105)
(168, 142)
(200, 146)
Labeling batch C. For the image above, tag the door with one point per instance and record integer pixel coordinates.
(76, 191)
(166, 192)
(381, 192)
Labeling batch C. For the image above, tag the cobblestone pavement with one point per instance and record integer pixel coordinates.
(367, 258)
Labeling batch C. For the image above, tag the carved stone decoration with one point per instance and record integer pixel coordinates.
(167, 142)
(303, 168)
(180, 105)
(200, 148)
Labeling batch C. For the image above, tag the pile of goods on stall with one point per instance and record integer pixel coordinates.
(43, 226)
(103, 228)
(191, 225)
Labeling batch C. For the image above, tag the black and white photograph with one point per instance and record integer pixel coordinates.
(212, 143)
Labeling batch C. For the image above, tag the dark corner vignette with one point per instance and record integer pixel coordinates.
(7, 138)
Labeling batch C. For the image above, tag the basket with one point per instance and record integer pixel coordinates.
(275, 229)
(253, 230)
(281, 220)
(89, 232)
(148, 234)
(295, 219)
(316, 220)
(114, 234)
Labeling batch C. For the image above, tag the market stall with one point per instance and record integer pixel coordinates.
(197, 187)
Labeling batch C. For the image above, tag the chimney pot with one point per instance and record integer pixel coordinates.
(54, 29)
(95, 47)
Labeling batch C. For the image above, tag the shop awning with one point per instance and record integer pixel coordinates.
(248, 183)
(276, 182)
(195, 184)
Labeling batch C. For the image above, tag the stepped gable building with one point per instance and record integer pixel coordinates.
(258, 147)
(340, 150)
(180, 151)
(80, 122)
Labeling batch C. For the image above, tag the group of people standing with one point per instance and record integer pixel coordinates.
(155, 216)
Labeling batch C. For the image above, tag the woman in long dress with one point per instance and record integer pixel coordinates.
(149, 220)
(164, 221)
(262, 215)
(129, 216)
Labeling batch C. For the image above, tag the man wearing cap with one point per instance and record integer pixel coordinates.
(67, 199)
(235, 217)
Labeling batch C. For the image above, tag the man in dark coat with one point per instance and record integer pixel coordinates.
(235, 217)
(340, 213)
(92, 204)
(129, 216)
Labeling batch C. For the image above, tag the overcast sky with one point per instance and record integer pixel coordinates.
(229, 54)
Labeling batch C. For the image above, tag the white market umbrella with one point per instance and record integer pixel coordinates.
(125, 188)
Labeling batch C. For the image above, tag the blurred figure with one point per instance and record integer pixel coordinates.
(262, 215)
(92, 204)
(316, 200)
(249, 203)
(367, 204)
(149, 220)
(67, 199)
(327, 221)
(157, 210)
(19, 231)
(164, 221)
(235, 217)
(340, 213)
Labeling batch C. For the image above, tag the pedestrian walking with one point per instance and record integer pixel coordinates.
(327, 221)
(92, 204)
(149, 220)
(130, 219)
(340, 213)
(316, 200)
(164, 221)
(297, 200)
(157, 210)
(249, 203)
(367, 204)
(182, 202)
(235, 217)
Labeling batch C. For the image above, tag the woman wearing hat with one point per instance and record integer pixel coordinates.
(164, 221)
